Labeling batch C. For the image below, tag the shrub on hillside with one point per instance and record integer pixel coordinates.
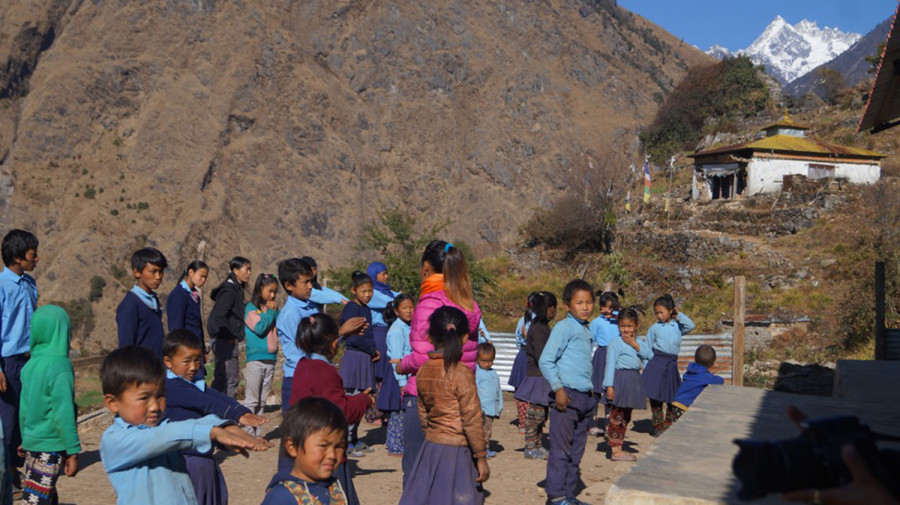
(724, 91)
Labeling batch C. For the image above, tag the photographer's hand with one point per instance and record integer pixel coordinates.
(864, 488)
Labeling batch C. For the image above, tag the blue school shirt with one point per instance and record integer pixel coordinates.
(377, 304)
(289, 318)
(139, 321)
(483, 335)
(566, 359)
(18, 299)
(144, 464)
(488, 384)
(604, 329)
(666, 337)
(521, 331)
(398, 346)
(621, 356)
(323, 296)
(696, 378)
(365, 342)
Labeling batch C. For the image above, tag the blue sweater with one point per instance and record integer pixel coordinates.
(521, 331)
(366, 341)
(183, 312)
(286, 325)
(186, 401)
(398, 346)
(322, 296)
(604, 330)
(566, 359)
(488, 384)
(666, 337)
(139, 324)
(696, 378)
(621, 356)
(377, 304)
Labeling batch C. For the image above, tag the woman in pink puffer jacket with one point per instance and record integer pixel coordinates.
(445, 281)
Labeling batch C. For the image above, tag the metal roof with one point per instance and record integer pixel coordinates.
(793, 145)
(786, 122)
(884, 101)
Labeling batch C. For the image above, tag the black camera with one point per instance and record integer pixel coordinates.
(813, 459)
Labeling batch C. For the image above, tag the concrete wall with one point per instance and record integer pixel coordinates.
(765, 175)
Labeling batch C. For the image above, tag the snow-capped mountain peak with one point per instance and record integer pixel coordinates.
(790, 51)
(718, 52)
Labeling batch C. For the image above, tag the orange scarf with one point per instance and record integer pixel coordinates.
(432, 283)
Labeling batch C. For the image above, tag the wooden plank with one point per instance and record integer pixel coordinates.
(737, 343)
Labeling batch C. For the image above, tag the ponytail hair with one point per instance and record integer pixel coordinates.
(666, 301)
(194, 266)
(316, 335)
(358, 279)
(541, 304)
(608, 297)
(446, 327)
(236, 263)
(529, 307)
(631, 314)
(445, 258)
(390, 311)
(262, 280)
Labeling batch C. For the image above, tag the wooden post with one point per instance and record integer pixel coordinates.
(879, 311)
(737, 338)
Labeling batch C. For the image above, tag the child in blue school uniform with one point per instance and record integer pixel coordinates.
(520, 364)
(139, 315)
(295, 276)
(141, 451)
(660, 377)
(382, 296)
(187, 397)
(696, 378)
(622, 382)
(358, 363)
(321, 295)
(535, 390)
(605, 329)
(566, 364)
(390, 399)
(488, 382)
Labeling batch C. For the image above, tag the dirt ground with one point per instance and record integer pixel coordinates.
(377, 476)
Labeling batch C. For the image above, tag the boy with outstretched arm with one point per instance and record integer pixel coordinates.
(566, 364)
(140, 451)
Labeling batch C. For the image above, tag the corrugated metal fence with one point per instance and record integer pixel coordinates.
(505, 343)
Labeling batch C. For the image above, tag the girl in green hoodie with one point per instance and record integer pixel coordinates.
(47, 407)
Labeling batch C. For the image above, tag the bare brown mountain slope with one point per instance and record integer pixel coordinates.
(270, 128)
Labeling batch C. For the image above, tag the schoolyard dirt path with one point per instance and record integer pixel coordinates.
(377, 476)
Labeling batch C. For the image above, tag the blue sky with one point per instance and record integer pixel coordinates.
(735, 24)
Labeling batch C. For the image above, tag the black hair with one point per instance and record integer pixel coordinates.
(390, 312)
(148, 255)
(630, 314)
(541, 305)
(574, 286)
(666, 301)
(446, 327)
(309, 416)
(434, 254)
(605, 298)
(262, 280)
(291, 269)
(705, 355)
(316, 334)
(313, 266)
(529, 313)
(447, 259)
(193, 267)
(180, 338)
(130, 366)
(358, 279)
(234, 264)
(486, 349)
(16, 244)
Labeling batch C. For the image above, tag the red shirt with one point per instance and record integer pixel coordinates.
(318, 378)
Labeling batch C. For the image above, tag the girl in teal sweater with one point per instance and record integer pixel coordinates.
(260, 314)
(47, 408)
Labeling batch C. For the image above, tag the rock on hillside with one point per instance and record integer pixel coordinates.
(271, 128)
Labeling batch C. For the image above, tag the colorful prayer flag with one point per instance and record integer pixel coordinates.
(646, 182)
(628, 201)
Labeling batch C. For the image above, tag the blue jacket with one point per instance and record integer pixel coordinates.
(286, 325)
(521, 332)
(377, 305)
(566, 359)
(695, 380)
(488, 384)
(183, 312)
(186, 401)
(605, 330)
(666, 337)
(144, 464)
(621, 356)
(366, 341)
(398, 346)
(139, 324)
(323, 296)
(18, 299)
